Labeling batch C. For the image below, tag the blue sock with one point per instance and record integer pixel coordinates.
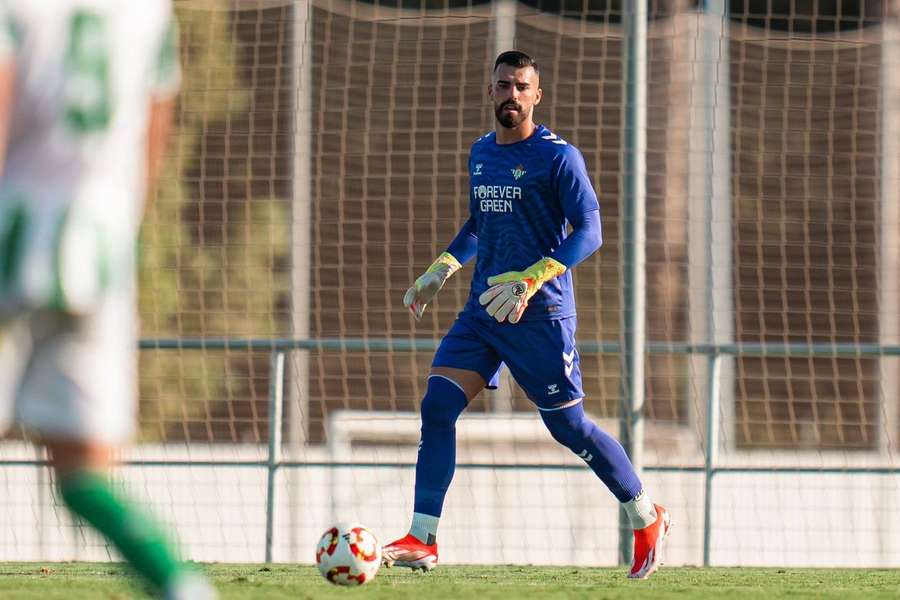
(602, 452)
(444, 401)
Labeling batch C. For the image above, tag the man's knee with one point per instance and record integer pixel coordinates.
(568, 426)
(444, 401)
(470, 382)
(70, 455)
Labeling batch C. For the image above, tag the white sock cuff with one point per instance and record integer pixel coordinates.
(424, 527)
(640, 511)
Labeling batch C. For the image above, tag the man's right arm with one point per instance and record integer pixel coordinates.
(460, 251)
(158, 131)
(465, 245)
(7, 79)
(7, 85)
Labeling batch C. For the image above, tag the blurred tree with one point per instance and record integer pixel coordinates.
(196, 285)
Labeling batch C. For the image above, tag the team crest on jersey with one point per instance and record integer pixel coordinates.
(518, 171)
(477, 170)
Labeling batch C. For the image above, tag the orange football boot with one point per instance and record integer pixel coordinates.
(410, 552)
(648, 545)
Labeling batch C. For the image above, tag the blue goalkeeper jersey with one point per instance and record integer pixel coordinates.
(521, 198)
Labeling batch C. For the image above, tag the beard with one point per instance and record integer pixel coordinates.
(509, 120)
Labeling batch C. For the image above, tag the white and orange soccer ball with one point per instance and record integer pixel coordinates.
(348, 554)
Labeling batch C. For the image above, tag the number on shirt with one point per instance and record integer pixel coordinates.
(87, 90)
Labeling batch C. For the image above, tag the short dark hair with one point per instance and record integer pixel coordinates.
(517, 59)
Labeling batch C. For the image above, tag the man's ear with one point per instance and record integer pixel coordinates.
(537, 96)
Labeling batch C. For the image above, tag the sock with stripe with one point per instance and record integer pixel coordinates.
(602, 452)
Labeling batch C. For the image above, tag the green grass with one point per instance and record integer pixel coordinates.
(76, 581)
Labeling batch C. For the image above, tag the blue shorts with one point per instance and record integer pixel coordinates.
(540, 355)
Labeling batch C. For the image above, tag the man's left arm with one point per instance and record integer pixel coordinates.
(510, 292)
(585, 239)
(165, 84)
(581, 209)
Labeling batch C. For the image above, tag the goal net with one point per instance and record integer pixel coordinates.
(319, 165)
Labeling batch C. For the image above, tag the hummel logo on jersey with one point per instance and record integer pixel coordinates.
(569, 362)
(552, 389)
(586, 456)
(554, 138)
(477, 170)
(518, 171)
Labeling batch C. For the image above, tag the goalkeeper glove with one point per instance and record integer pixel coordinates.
(510, 292)
(429, 284)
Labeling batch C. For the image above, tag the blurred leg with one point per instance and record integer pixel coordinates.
(84, 485)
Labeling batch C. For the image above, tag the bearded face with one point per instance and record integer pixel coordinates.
(514, 93)
(510, 114)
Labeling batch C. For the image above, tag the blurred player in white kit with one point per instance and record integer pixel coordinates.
(87, 89)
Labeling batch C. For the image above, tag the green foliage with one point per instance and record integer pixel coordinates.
(191, 286)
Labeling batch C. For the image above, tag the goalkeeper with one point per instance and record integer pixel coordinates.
(527, 185)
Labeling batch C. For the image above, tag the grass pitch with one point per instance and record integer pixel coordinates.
(77, 581)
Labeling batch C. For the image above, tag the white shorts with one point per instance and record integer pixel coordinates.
(72, 377)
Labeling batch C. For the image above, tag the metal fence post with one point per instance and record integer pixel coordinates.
(276, 404)
(712, 448)
(634, 251)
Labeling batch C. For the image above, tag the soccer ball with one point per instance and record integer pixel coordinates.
(348, 554)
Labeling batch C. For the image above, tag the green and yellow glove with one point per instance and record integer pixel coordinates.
(429, 284)
(510, 292)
